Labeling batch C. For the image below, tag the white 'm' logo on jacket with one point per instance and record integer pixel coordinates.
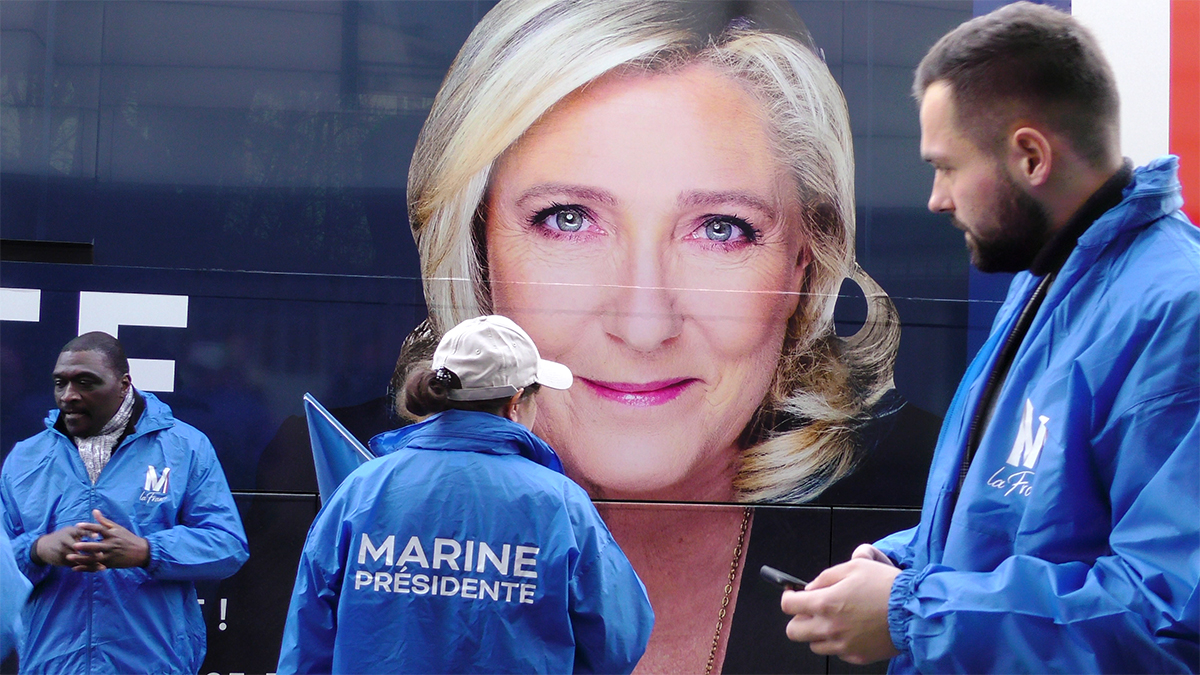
(157, 483)
(1027, 448)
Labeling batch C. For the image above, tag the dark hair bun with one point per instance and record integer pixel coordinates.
(425, 393)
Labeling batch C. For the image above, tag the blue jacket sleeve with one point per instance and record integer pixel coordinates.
(898, 547)
(610, 611)
(1134, 610)
(311, 629)
(20, 538)
(14, 589)
(208, 542)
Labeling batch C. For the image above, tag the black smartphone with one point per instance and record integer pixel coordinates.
(781, 579)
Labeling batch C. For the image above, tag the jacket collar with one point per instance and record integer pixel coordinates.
(1153, 193)
(468, 431)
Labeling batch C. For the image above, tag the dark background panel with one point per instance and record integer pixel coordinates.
(853, 526)
(245, 637)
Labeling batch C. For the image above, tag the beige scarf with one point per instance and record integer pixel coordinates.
(97, 450)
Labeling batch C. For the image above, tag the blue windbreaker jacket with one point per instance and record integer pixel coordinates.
(163, 483)
(1075, 543)
(464, 550)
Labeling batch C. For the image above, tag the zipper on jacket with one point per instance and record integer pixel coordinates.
(1008, 352)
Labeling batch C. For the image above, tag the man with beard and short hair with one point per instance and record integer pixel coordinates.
(114, 511)
(1059, 530)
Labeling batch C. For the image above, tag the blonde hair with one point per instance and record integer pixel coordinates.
(526, 55)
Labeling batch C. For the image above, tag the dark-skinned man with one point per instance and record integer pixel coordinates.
(114, 511)
(1059, 531)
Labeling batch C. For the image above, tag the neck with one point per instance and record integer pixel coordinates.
(1061, 242)
(1073, 185)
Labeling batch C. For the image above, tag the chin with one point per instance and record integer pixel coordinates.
(77, 431)
(630, 485)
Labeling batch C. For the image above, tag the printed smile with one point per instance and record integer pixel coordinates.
(639, 394)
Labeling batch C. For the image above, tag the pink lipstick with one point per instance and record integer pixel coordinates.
(639, 394)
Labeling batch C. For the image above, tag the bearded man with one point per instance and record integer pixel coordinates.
(1059, 531)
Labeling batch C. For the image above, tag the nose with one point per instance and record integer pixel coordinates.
(939, 196)
(643, 312)
(68, 393)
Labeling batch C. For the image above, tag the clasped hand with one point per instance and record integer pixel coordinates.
(843, 612)
(92, 547)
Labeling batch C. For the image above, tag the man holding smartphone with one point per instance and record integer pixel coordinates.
(1059, 529)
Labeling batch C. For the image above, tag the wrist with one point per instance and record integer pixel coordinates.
(33, 551)
(145, 553)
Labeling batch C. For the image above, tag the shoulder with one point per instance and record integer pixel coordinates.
(1127, 330)
(1147, 276)
(398, 472)
(1168, 250)
(157, 419)
(166, 438)
(1147, 243)
(187, 434)
(1155, 281)
(580, 508)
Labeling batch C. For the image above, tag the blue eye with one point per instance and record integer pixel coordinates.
(562, 218)
(718, 230)
(722, 229)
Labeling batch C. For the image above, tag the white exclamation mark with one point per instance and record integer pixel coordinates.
(224, 602)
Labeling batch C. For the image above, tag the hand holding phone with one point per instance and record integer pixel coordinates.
(781, 579)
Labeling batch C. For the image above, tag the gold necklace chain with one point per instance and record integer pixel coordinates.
(733, 569)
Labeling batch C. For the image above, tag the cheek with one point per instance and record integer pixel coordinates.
(976, 195)
(746, 308)
(549, 294)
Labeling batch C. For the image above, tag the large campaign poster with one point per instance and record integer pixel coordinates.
(723, 234)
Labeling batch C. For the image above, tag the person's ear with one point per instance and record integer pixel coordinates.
(1031, 157)
(126, 383)
(805, 256)
(805, 259)
(512, 408)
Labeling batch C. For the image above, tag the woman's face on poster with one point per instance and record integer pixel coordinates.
(645, 234)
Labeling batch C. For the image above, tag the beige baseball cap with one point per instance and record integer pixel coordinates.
(493, 358)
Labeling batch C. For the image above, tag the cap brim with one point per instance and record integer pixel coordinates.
(554, 375)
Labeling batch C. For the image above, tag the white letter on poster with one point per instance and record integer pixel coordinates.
(108, 311)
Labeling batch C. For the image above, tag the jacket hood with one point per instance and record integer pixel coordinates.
(1153, 193)
(469, 431)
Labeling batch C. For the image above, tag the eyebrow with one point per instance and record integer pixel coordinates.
(579, 192)
(721, 198)
(691, 198)
(71, 373)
